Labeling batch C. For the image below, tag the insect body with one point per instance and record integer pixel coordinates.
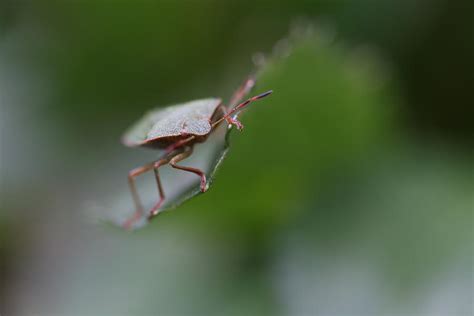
(176, 129)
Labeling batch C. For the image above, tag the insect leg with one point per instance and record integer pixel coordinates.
(155, 209)
(136, 198)
(178, 144)
(188, 151)
(243, 90)
(231, 116)
(230, 120)
(131, 180)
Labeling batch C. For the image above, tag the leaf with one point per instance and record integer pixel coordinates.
(329, 107)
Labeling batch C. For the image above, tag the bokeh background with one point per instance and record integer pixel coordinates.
(349, 192)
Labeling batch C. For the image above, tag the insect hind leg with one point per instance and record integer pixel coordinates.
(136, 198)
(139, 211)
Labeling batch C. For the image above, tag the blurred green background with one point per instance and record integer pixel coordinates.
(349, 192)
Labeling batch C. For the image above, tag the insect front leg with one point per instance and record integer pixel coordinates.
(229, 120)
(231, 115)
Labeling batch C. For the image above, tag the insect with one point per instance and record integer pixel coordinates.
(176, 129)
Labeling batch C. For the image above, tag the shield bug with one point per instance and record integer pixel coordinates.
(176, 129)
